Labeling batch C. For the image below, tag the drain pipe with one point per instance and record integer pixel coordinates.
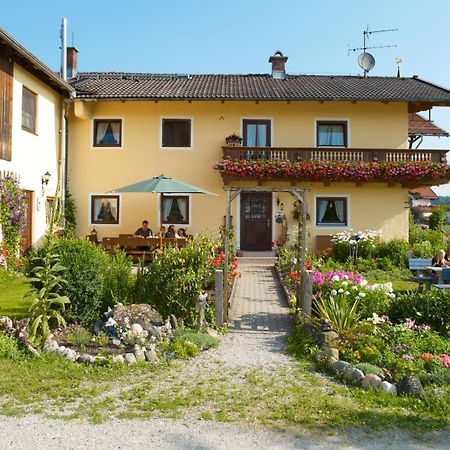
(63, 131)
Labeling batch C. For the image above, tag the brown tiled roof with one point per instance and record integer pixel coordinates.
(419, 126)
(256, 87)
(424, 193)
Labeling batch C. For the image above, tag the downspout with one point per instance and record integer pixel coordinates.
(63, 140)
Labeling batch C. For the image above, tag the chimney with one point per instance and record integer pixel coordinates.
(278, 65)
(72, 62)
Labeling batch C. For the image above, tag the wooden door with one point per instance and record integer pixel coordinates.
(27, 235)
(256, 221)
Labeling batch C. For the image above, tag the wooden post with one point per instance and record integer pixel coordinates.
(227, 257)
(307, 293)
(218, 297)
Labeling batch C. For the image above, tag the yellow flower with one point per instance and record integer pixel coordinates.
(356, 354)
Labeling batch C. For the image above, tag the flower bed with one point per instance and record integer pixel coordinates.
(397, 171)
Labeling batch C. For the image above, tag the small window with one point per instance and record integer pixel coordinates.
(176, 133)
(332, 134)
(175, 209)
(256, 133)
(331, 211)
(105, 209)
(107, 133)
(29, 105)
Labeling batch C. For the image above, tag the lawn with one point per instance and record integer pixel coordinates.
(12, 301)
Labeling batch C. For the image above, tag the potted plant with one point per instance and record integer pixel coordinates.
(233, 140)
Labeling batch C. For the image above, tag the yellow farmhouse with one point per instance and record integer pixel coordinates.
(32, 99)
(344, 138)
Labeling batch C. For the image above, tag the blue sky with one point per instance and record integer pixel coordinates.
(206, 36)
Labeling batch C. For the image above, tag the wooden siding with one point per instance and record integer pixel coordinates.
(6, 86)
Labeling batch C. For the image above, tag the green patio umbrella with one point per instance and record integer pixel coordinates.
(163, 185)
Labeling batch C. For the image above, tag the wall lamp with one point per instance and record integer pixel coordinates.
(45, 178)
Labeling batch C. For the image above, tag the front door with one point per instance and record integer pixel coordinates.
(27, 237)
(256, 221)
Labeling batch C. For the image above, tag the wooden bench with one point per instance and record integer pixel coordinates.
(140, 248)
(421, 275)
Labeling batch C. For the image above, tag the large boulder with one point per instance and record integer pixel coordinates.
(371, 380)
(144, 315)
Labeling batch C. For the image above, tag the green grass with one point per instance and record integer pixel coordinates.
(12, 301)
(400, 278)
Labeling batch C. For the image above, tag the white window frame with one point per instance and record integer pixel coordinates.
(162, 118)
(334, 225)
(122, 130)
(258, 118)
(178, 225)
(332, 119)
(108, 225)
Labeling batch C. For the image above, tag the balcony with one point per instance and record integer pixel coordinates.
(330, 154)
(408, 167)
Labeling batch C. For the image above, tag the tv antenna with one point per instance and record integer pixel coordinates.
(365, 60)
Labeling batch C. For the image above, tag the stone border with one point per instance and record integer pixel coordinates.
(283, 287)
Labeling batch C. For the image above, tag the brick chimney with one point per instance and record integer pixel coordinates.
(278, 61)
(72, 62)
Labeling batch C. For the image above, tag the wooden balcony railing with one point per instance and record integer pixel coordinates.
(332, 154)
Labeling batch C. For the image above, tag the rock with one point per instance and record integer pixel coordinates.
(371, 381)
(61, 350)
(50, 346)
(357, 375)
(328, 339)
(387, 375)
(116, 342)
(348, 373)
(331, 352)
(5, 323)
(91, 359)
(389, 388)
(212, 332)
(440, 392)
(325, 358)
(151, 356)
(138, 353)
(155, 331)
(141, 314)
(168, 325)
(340, 366)
(84, 358)
(130, 359)
(173, 321)
(118, 359)
(70, 354)
(410, 385)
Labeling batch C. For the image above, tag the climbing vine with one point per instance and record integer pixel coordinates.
(12, 216)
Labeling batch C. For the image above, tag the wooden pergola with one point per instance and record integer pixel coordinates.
(299, 195)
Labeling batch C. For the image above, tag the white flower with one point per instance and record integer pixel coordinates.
(341, 291)
(335, 278)
(334, 292)
(344, 283)
(361, 294)
(345, 277)
(347, 293)
(355, 288)
(363, 282)
(391, 295)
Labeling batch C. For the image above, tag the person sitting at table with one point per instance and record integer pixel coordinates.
(144, 231)
(181, 233)
(171, 232)
(440, 259)
(162, 231)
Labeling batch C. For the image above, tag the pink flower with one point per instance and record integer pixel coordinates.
(445, 359)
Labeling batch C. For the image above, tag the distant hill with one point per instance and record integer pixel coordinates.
(441, 200)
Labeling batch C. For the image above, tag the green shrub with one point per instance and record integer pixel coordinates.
(9, 348)
(94, 279)
(437, 218)
(432, 308)
(183, 349)
(119, 281)
(434, 237)
(301, 344)
(440, 376)
(79, 336)
(423, 249)
(202, 340)
(375, 302)
(368, 368)
(394, 250)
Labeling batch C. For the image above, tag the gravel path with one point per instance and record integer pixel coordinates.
(259, 322)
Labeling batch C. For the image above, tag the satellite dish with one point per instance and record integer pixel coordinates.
(366, 61)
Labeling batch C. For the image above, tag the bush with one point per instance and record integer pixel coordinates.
(79, 336)
(301, 343)
(183, 349)
(432, 308)
(93, 278)
(437, 218)
(423, 249)
(368, 368)
(375, 302)
(9, 348)
(394, 250)
(434, 237)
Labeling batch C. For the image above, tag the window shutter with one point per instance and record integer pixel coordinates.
(6, 83)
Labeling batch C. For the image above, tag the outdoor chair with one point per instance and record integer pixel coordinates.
(445, 277)
(421, 275)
